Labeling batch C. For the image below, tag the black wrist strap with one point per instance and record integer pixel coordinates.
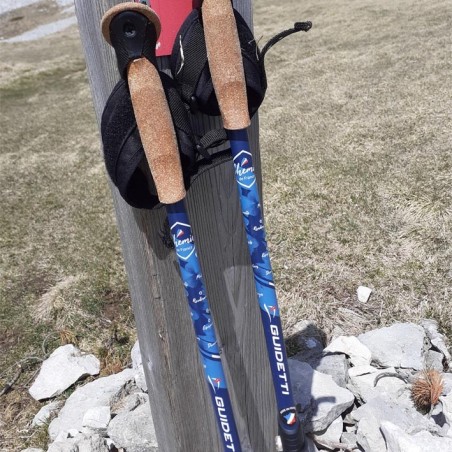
(298, 26)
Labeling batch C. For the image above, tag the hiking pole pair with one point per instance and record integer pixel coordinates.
(133, 29)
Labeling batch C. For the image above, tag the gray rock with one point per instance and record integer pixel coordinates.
(436, 338)
(94, 443)
(63, 446)
(129, 403)
(134, 430)
(308, 340)
(385, 408)
(349, 345)
(32, 449)
(439, 417)
(334, 432)
(97, 418)
(136, 356)
(399, 345)
(349, 420)
(71, 433)
(320, 397)
(101, 392)
(434, 360)
(138, 449)
(335, 365)
(399, 441)
(447, 407)
(137, 364)
(364, 370)
(447, 378)
(349, 438)
(432, 443)
(81, 443)
(45, 413)
(368, 435)
(140, 379)
(362, 380)
(65, 366)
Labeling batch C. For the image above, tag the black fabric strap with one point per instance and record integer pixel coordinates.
(213, 138)
(298, 26)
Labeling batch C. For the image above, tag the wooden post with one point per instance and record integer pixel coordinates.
(180, 403)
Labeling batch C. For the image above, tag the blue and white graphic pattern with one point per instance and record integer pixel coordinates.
(195, 291)
(263, 276)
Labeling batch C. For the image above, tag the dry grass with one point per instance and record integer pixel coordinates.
(356, 151)
(62, 277)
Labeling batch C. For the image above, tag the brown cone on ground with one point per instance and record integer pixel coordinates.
(426, 389)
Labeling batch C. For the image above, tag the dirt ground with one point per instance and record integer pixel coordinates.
(356, 152)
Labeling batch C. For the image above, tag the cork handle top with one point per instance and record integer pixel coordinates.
(225, 62)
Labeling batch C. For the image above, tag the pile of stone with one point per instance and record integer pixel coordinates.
(354, 394)
(107, 414)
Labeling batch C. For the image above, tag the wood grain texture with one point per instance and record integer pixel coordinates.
(180, 403)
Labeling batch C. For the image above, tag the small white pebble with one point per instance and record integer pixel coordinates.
(363, 293)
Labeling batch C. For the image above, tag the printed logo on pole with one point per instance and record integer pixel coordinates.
(271, 311)
(183, 240)
(244, 170)
(290, 418)
(215, 383)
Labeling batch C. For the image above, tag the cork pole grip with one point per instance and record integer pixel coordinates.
(225, 62)
(156, 130)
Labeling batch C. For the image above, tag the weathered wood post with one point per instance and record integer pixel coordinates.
(180, 402)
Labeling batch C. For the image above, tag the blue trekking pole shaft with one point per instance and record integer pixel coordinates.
(289, 424)
(209, 350)
(132, 29)
(226, 68)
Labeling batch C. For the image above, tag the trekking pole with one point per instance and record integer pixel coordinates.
(226, 68)
(132, 29)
